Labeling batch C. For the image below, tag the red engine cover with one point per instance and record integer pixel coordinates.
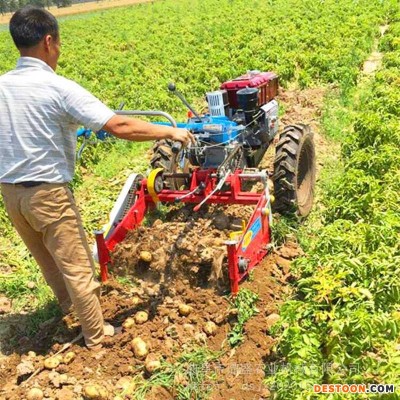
(266, 82)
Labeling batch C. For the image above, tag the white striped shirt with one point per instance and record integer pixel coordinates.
(39, 114)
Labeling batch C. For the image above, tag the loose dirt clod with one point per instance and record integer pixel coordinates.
(271, 320)
(5, 305)
(25, 367)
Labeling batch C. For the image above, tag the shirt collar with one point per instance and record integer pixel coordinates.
(31, 62)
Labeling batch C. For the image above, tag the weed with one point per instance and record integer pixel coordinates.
(245, 304)
(125, 281)
(283, 228)
(189, 377)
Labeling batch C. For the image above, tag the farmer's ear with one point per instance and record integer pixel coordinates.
(47, 41)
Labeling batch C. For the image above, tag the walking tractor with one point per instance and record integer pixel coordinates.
(231, 140)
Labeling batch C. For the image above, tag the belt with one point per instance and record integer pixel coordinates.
(29, 184)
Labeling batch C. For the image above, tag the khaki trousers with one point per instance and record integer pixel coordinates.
(48, 221)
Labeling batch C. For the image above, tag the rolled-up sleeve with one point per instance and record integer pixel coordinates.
(84, 108)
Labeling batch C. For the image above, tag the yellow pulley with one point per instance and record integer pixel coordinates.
(155, 183)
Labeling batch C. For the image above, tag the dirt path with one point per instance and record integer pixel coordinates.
(374, 60)
(179, 276)
(83, 8)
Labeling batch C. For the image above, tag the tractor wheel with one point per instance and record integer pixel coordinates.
(294, 171)
(164, 158)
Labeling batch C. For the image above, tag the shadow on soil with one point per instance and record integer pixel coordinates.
(34, 330)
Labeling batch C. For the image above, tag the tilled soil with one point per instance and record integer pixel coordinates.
(167, 332)
(187, 245)
(177, 265)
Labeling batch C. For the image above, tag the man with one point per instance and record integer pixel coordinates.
(39, 113)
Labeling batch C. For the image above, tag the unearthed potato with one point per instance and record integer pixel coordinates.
(152, 366)
(69, 357)
(185, 309)
(124, 383)
(51, 363)
(59, 357)
(95, 392)
(31, 285)
(146, 256)
(35, 394)
(210, 328)
(152, 363)
(141, 317)
(271, 320)
(135, 300)
(128, 323)
(139, 347)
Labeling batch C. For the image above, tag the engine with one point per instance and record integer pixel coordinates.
(241, 122)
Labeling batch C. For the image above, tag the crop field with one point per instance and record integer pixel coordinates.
(322, 308)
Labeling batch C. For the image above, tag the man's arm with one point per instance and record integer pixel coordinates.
(137, 130)
(87, 110)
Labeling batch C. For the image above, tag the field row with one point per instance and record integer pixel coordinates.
(132, 54)
(346, 315)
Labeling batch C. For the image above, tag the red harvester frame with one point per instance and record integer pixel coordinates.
(245, 251)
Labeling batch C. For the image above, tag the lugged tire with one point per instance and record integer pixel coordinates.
(162, 155)
(164, 158)
(294, 171)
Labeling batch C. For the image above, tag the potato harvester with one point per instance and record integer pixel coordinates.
(220, 168)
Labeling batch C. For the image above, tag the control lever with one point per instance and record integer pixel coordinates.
(172, 88)
(217, 188)
(196, 190)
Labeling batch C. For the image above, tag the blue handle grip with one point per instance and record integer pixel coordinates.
(101, 134)
(83, 132)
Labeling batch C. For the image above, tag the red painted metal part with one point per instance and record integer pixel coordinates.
(233, 267)
(253, 244)
(232, 195)
(104, 255)
(132, 219)
(266, 82)
(243, 254)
